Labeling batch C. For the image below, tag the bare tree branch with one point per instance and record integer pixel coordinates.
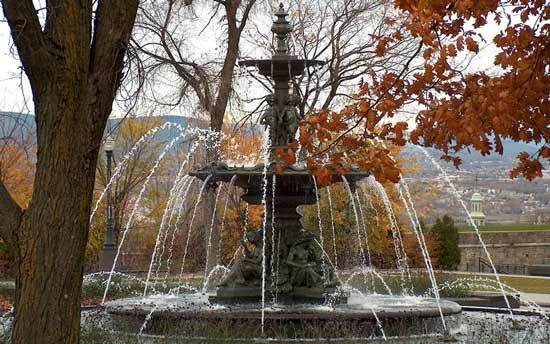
(27, 35)
(211, 81)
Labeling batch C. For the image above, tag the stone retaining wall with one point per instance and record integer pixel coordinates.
(511, 252)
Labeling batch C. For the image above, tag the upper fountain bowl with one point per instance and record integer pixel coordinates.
(294, 182)
(281, 67)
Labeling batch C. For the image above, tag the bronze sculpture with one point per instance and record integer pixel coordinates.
(248, 270)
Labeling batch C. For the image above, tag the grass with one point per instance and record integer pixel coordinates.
(421, 283)
(507, 228)
(525, 284)
(528, 285)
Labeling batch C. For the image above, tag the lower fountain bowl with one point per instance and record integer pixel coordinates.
(193, 316)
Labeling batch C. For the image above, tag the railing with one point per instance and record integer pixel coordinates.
(505, 269)
(482, 264)
(512, 269)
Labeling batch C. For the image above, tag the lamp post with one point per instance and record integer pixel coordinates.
(107, 254)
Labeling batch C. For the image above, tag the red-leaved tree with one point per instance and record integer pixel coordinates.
(455, 107)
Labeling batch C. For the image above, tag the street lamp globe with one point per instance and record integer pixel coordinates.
(109, 144)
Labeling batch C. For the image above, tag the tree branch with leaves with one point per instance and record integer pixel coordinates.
(457, 107)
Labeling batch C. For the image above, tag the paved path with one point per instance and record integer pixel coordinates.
(542, 300)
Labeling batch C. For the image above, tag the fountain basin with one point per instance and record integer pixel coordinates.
(298, 295)
(362, 316)
(295, 184)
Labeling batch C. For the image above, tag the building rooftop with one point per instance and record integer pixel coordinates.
(476, 197)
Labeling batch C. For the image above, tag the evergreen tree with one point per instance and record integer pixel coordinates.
(446, 236)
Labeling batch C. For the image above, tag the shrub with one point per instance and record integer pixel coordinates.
(446, 236)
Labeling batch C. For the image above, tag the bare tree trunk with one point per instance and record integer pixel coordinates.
(217, 116)
(52, 237)
(226, 83)
(74, 72)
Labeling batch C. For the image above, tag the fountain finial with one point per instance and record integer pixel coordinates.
(281, 28)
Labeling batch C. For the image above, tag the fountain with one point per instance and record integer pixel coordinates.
(284, 281)
(302, 275)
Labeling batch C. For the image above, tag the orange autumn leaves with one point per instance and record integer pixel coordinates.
(17, 172)
(241, 146)
(458, 109)
(338, 141)
(479, 110)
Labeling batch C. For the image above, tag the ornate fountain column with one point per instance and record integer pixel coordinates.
(280, 259)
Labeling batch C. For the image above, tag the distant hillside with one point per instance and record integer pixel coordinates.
(163, 136)
(511, 150)
(19, 123)
(470, 158)
(25, 123)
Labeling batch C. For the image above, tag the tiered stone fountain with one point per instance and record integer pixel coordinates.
(299, 271)
(282, 277)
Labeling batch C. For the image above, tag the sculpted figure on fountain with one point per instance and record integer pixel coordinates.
(303, 263)
(248, 269)
(282, 122)
(269, 118)
(291, 118)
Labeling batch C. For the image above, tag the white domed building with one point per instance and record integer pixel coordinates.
(476, 209)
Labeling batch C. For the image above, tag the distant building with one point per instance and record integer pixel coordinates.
(476, 209)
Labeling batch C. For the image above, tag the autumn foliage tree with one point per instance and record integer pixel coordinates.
(241, 146)
(455, 107)
(17, 171)
(17, 151)
(239, 219)
(374, 220)
(133, 172)
(344, 233)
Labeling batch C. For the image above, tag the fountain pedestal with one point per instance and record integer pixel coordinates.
(281, 261)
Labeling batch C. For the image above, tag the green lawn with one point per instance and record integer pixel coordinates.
(528, 285)
(525, 284)
(507, 228)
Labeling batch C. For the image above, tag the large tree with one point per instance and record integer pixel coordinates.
(73, 57)
(205, 81)
(341, 33)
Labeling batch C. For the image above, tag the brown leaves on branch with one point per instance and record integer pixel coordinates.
(458, 108)
(17, 171)
(531, 168)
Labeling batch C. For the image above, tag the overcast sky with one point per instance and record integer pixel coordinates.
(11, 97)
(15, 93)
